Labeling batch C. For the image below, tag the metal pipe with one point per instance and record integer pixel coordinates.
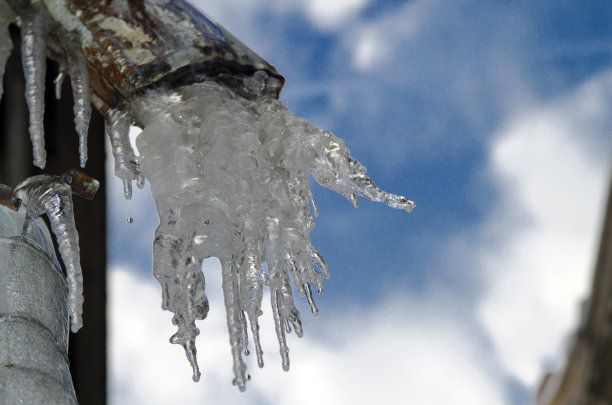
(33, 314)
(133, 45)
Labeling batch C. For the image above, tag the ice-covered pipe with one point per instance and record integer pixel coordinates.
(130, 46)
(228, 163)
(115, 51)
(33, 315)
(52, 195)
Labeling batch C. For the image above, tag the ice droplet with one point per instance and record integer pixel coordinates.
(229, 177)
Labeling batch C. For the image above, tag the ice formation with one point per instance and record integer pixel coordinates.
(229, 179)
(35, 28)
(229, 176)
(52, 195)
(126, 167)
(34, 31)
(5, 40)
(79, 80)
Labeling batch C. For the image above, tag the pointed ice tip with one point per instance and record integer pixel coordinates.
(75, 326)
(83, 161)
(240, 382)
(40, 163)
(409, 206)
(127, 189)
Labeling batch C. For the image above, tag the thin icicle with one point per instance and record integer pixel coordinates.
(52, 195)
(5, 40)
(234, 321)
(251, 286)
(58, 82)
(34, 31)
(126, 166)
(79, 78)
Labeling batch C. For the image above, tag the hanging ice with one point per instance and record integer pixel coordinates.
(126, 167)
(5, 40)
(79, 78)
(36, 25)
(52, 195)
(34, 32)
(229, 174)
(229, 179)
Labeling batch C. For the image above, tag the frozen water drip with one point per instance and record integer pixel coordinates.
(228, 163)
(52, 195)
(229, 177)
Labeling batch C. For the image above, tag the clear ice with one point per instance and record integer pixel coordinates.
(41, 196)
(5, 40)
(229, 177)
(35, 28)
(126, 166)
(34, 31)
(79, 78)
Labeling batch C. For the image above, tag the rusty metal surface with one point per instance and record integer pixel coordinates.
(81, 184)
(134, 44)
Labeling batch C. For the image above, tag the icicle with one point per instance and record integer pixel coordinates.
(229, 177)
(126, 167)
(36, 26)
(58, 82)
(52, 195)
(283, 308)
(77, 67)
(234, 324)
(251, 284)
(5, 40)
(189, 303)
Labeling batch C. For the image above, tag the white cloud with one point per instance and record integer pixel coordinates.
(331, 15)
(390, 353)
(376, 43)
(323, 14)
(538, 243)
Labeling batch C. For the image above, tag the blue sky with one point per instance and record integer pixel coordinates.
(495, 119)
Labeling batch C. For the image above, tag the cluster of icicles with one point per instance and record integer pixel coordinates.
(229, 177)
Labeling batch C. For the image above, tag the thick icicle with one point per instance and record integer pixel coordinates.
(126, 167)
(36, 26)
(52, 195)
(79, 78)
(229, 177)
(5, 40)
